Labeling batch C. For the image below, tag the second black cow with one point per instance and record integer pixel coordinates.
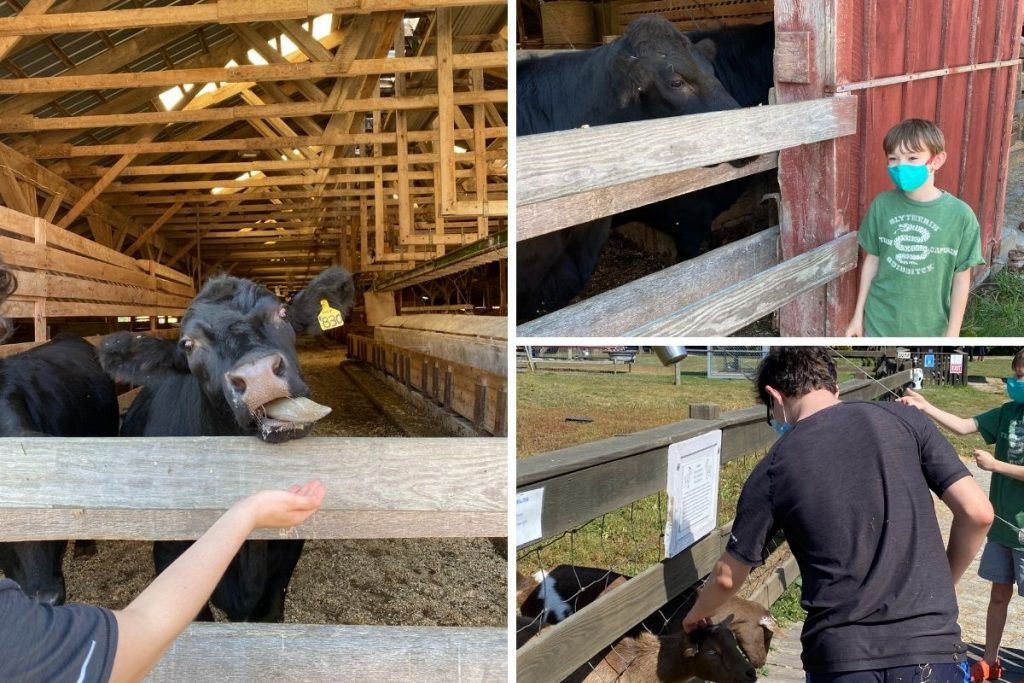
(233, 371)
(652, 71)
(55, 389)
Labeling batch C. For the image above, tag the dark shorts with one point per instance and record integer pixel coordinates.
(917, 673)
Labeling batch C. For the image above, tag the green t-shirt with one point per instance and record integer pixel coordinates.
(920, 246)
(1004, 426)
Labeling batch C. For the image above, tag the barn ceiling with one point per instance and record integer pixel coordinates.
(265, 139)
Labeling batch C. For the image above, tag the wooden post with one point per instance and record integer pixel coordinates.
(425, 378)
(704, 411)
(480, 404)
(449, 388)
(811, 217)
(501, 413)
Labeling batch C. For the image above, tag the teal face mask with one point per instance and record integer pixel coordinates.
(1015, 389)
(908, 177)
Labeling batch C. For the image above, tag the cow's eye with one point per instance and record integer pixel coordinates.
(188, 344)
(678, 83)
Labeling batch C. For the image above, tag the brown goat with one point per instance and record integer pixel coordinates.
(568, 588)
(708, 653)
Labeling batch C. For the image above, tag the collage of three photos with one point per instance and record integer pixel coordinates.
(659, 341)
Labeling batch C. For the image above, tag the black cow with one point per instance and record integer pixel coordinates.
(231, 372)
(55, 389)
(572, 89)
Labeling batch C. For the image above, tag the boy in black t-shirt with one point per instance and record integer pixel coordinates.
(850, 485)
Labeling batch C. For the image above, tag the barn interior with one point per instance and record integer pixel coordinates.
(148, 145)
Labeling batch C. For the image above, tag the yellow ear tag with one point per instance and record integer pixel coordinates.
(329, 317)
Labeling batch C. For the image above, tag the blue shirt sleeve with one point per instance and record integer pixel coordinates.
(40, 643)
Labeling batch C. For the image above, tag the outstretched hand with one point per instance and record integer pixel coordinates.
(275, 509)
(690, 624)
(912, 398)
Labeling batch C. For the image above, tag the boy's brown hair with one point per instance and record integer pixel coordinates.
(914, 135)
(1018, 360)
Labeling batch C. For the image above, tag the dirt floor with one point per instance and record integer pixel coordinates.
(416, 582)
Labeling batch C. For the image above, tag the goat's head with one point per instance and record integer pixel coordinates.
(714, 655)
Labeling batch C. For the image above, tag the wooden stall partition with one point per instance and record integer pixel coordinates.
(61, 274)
(174, 488)
(582, 482)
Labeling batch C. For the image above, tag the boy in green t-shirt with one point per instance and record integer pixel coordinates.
(920, 244)
(1002, 561)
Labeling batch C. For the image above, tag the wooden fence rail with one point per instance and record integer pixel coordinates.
(569, 177)
(174, 488)
(62, 274)
(583, 482)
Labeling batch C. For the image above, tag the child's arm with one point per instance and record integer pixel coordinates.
(957, 425)
(987, 462)
(147, 626)
(958, 302)
(868, 270)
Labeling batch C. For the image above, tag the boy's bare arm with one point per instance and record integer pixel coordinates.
(972, 517)
(868, 270)
(957, 425)
(958, 302)
(148, 625)
(987, 461)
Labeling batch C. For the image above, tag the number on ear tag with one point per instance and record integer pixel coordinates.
(329, 318)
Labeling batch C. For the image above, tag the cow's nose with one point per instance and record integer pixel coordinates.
(751, 675)
(49, 597)
(258, 381)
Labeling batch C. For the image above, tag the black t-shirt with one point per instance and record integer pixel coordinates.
(849, 486)
(73, 643)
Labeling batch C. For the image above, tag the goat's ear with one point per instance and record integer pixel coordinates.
(336, 286)
(725, 622)
(769, 623)
(140, 359)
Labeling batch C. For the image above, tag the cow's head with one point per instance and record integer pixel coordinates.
(663, 73)
(238, 340)
(36, 567)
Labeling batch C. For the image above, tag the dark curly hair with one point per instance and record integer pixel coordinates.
(8, 283)
(795, 371)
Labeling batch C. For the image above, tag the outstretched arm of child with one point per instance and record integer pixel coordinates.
(987, 462)
(958, 425)
(868, 270)
(148, 625)
(958, 302)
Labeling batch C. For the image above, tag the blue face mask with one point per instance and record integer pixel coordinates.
(781, 427)
(907, 177)
(1015, 389)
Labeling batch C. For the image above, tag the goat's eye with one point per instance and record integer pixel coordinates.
(711, 653)
(188, 344)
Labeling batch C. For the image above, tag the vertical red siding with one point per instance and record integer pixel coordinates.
(884, 38)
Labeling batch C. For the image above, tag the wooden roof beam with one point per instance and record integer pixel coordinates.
(222, 12)
(256, 41)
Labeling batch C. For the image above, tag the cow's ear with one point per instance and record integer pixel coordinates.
(632, 76)
(139, 358)
(708, 48)
(336, 286)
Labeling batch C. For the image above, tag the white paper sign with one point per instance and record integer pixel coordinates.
(528, 510)
(956, 364)
(692, 490)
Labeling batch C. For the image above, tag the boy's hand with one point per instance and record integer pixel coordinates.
(985, 460)
(912, 398)
(284, 509)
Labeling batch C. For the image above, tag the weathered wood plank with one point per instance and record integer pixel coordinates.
(166, 488)
(544, 217)
(660, 294)
(317, 653)
(552, 655)
(564, 163)
(731, 309)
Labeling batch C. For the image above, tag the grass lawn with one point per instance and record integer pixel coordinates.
(630, 539)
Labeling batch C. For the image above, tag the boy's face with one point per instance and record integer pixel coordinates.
(916, 157)
(1018, 371)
